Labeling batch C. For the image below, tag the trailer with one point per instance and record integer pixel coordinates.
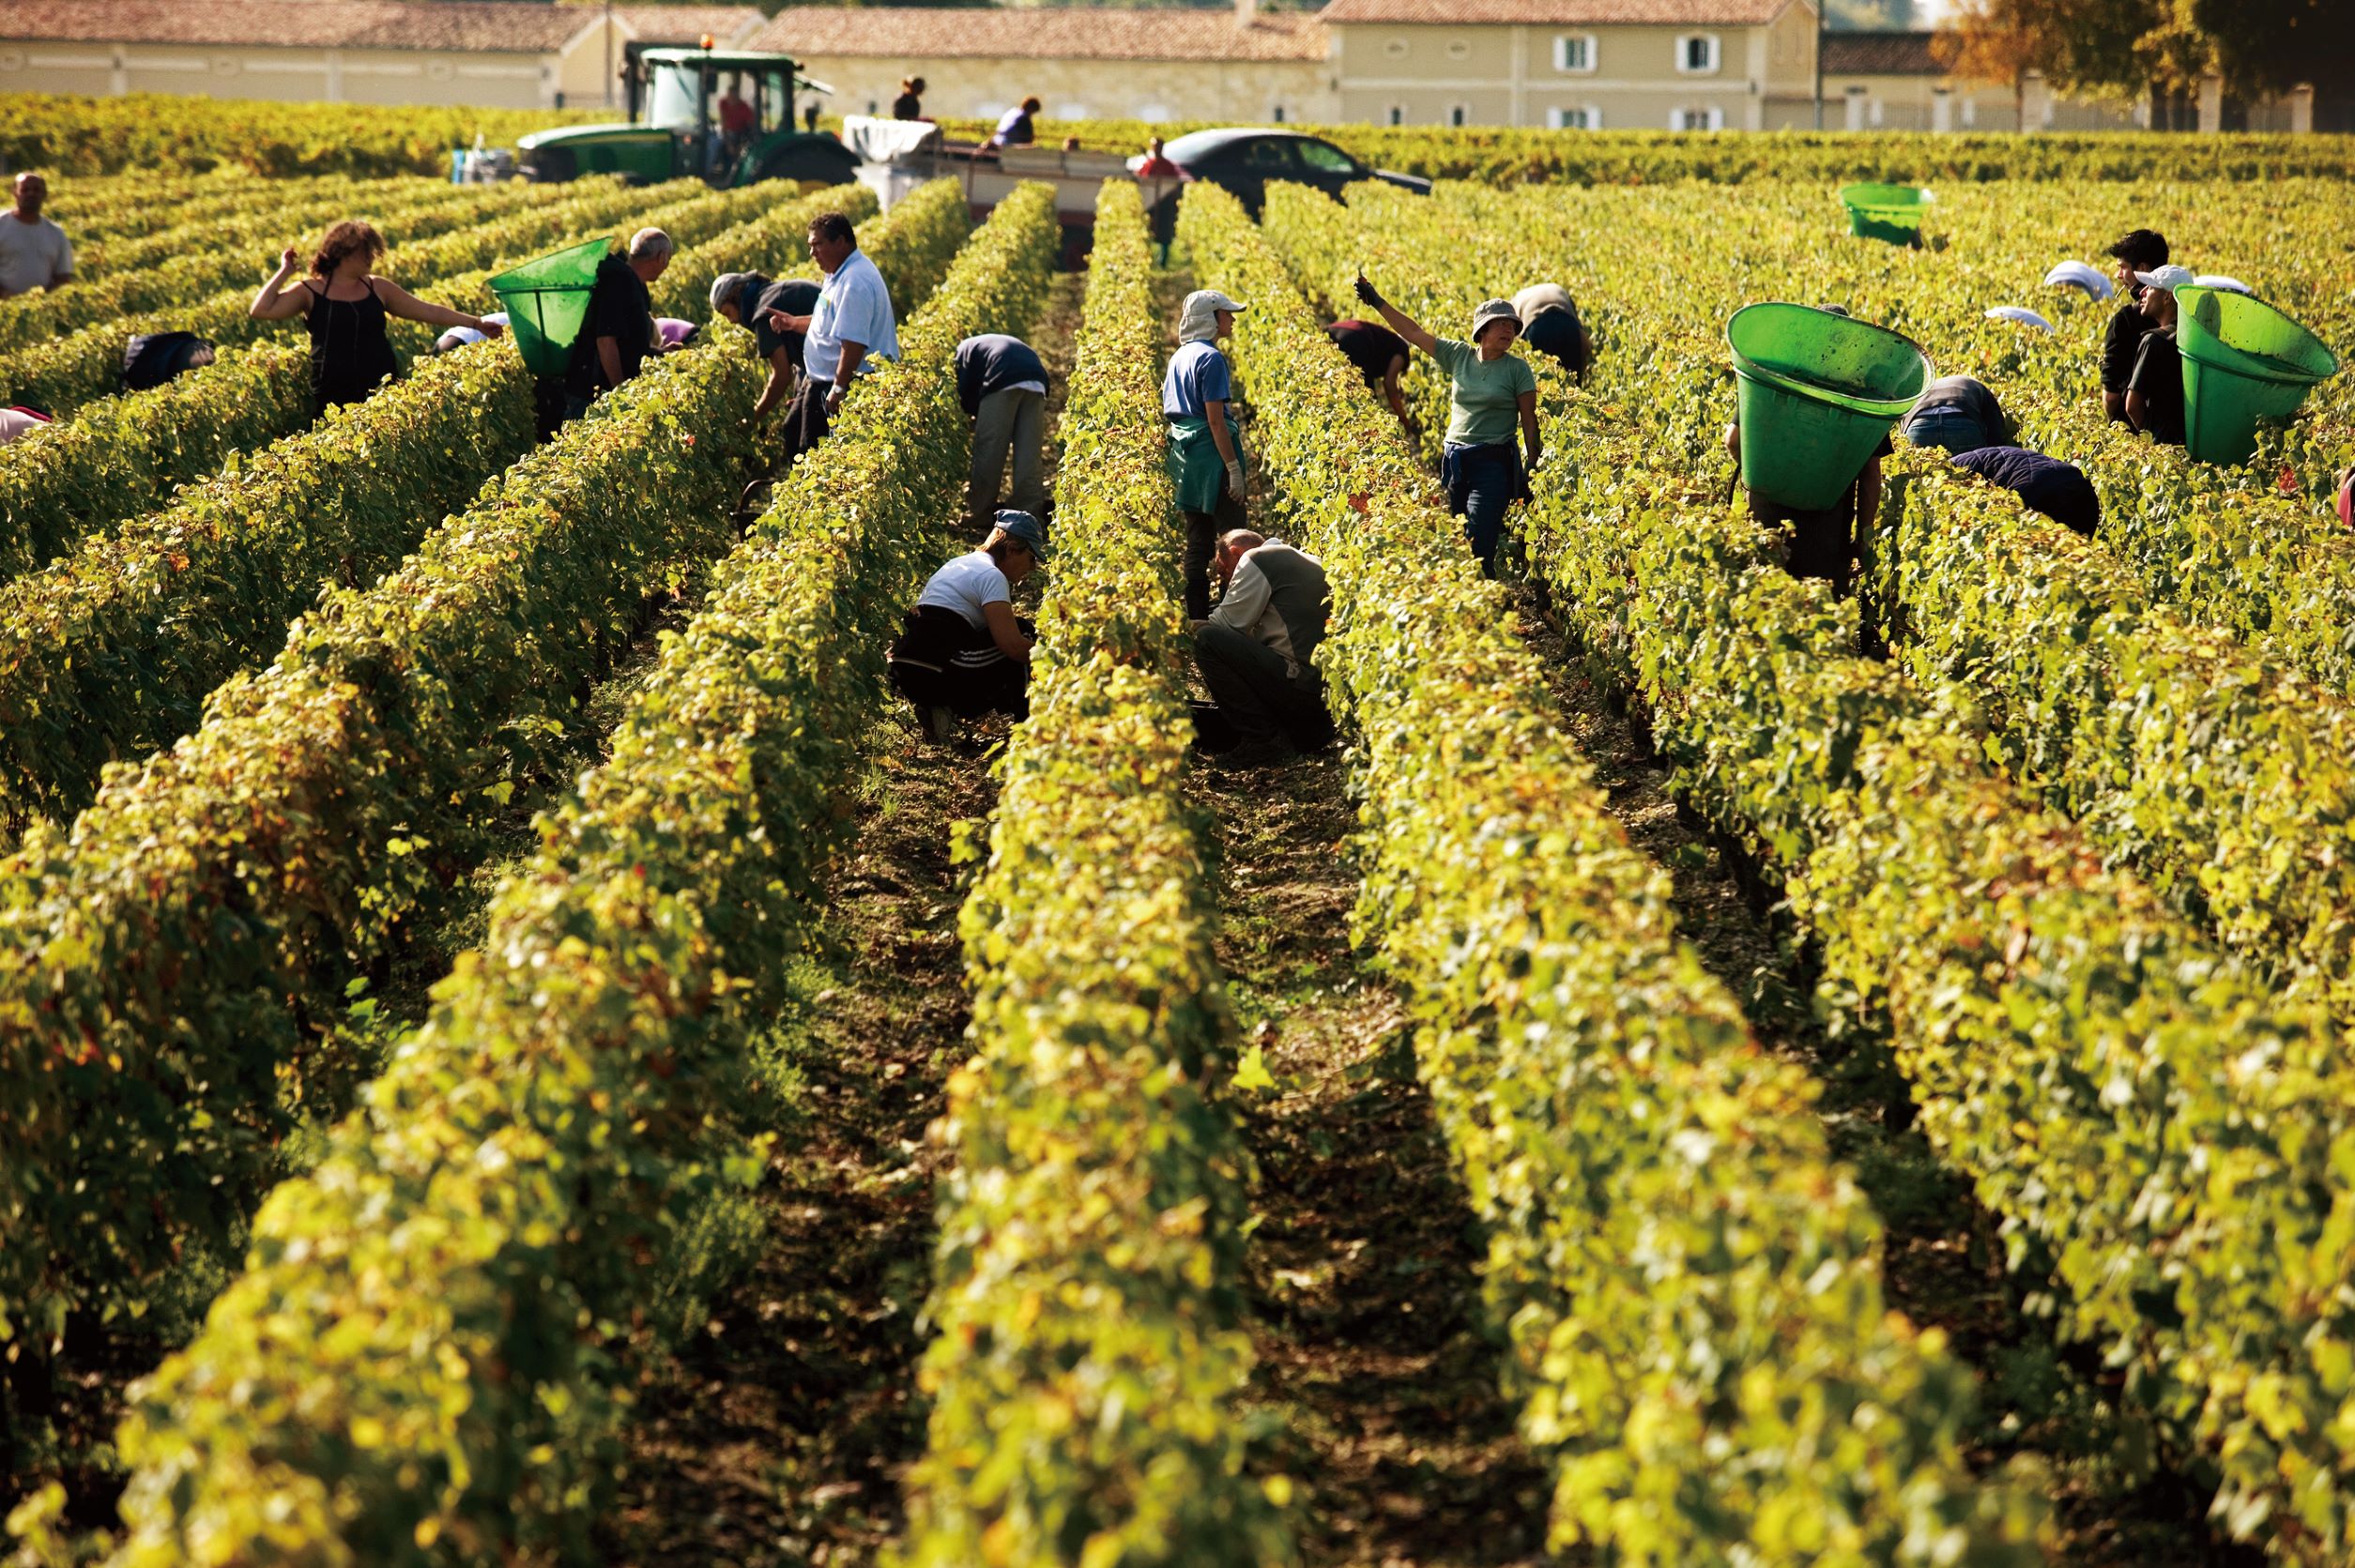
(898, 156)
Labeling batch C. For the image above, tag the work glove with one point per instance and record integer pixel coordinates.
(1234, 481)
(1367, 293)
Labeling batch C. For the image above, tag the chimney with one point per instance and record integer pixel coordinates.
(1246, 13)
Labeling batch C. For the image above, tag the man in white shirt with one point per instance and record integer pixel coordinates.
(849, 332)
(35, 253)
(1257, 650)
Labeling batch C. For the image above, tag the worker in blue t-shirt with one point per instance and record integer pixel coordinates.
(1205, 454)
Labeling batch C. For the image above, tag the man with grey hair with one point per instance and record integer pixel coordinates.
(1257, 650)
(618, 331)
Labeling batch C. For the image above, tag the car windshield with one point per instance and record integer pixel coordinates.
(1271, 154)
(677, 89)
(1324, 157)
(776, 100)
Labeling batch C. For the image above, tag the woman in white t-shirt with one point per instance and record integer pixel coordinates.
(965, 652)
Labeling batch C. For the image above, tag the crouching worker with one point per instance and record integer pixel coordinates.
(2058, 489)
(964, 653)
(1257, 650)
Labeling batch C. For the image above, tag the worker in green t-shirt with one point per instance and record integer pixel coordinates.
(1490, 391)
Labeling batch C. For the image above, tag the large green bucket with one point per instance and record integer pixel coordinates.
(1817, 392)
(1890, 212)
(2243, 361)
(547, 300)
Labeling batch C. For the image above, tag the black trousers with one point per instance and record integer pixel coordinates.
(1247, 680)
(925, 669)
(1202, 530)
(806, 421)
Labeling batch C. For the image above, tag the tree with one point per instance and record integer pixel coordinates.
(2270, 46)
(2086, 47)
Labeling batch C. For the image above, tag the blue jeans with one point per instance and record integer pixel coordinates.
(1949, 428)
(1482, 482)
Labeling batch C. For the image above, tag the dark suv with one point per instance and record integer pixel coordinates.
(1245, 162)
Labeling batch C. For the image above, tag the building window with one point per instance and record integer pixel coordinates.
(873, 108)
(1458, 114)
(1397, 115)
(1459, 51)
(1574, 51)
(1395, 49)
(1696, 119)
(1697, 55)
(1276, 114)
(1588, 118)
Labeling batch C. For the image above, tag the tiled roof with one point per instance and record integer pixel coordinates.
(729, 26)
(500, 26)
(1062, 33)
(1880, 55)
(1557, 13)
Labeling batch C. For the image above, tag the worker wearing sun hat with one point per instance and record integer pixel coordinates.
(1488, 388)
(2154, 393)
(1205, 450)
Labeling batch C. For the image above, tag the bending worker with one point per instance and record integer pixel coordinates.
(1002, 382)
(1205, 454)
(1257, 650)
(964, 653)
(1959, 414)
(1379, 356)
(619, 332)
(851, 329)
(1488, 388)
(2058, 489)
(750, 299)
(1550, 325)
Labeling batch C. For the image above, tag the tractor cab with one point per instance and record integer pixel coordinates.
(726, 116)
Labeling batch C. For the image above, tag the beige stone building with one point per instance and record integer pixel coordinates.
(1576, 64)
(1081, 62)
(492, 53)
(1893, 82)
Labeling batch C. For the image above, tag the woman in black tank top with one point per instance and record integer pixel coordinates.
(345, 307)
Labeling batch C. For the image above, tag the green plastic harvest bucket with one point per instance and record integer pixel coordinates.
(1890, 212)
(1817, 392)
(546, 301)
(2243, 361)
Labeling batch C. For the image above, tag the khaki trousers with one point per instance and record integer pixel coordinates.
(1008, 423)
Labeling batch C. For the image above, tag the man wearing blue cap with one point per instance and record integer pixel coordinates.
(964, 652)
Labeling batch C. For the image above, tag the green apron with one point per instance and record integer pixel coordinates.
(1194, 465)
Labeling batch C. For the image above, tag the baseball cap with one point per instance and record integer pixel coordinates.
(1494, 310)
(1022, 525)
(2169, 278)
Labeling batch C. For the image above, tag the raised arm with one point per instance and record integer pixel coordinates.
(401, 302)
(273, 303)
(1398, 320)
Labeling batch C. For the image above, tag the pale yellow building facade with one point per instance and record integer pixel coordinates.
(1573, 66)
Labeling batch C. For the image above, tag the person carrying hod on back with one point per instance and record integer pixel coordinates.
(618, 333)
(1822, 541)
(1490, 391)
(1205, 450)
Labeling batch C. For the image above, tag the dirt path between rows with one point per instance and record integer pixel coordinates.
(1943, 1258)
(780, 1434)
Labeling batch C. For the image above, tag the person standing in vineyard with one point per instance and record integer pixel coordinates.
(1196, 393)
(908, 105)
(1822, 542)
(850, 331)
(620, 331)
(2138, 253)
(1489, 388)
(345, 306)
(2154, 393)
(35, 253)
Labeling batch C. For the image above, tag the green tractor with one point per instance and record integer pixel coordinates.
(724, 115)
